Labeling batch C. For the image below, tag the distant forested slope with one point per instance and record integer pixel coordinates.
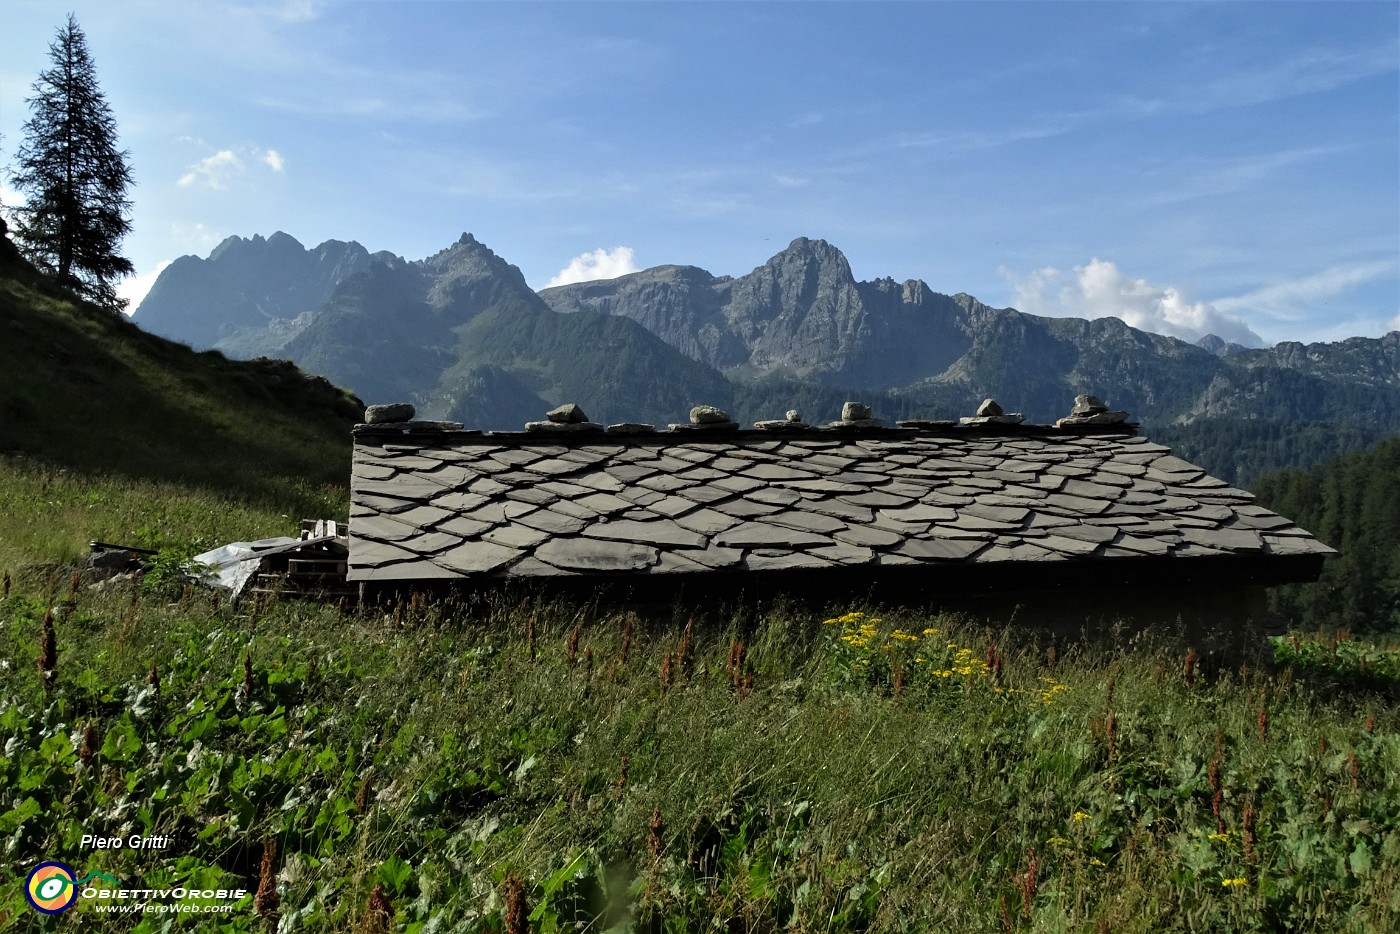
(1353, 504)
(1240, 450)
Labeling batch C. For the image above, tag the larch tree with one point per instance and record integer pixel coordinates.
(73, 176)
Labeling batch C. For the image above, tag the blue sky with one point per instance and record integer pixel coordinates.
(1188, 167)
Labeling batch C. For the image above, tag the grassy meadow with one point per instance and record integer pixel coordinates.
(513, 765)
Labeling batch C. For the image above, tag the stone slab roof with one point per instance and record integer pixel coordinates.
(434, 505)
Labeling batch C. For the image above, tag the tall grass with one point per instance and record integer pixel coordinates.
(48, 515)
(861, 771)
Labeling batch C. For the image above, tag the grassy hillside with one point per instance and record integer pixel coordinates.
(99, 420)
(616, 370)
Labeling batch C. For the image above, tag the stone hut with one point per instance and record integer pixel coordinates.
(1083, 522)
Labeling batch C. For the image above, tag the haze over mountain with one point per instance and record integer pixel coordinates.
(246, 288)
(461, 334)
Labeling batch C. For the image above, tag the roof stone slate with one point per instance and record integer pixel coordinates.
(480, 507)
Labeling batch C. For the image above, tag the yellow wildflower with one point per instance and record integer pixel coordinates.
(1057, 841)
(1231, 883)
(1222, 837)
(1079, 816)
(1095, 861)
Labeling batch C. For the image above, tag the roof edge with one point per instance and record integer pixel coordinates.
(933, 580)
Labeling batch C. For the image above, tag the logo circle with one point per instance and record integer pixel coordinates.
(51, 888)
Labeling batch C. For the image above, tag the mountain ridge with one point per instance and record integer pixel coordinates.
(461, 327)
(430, 331)
(907, 338)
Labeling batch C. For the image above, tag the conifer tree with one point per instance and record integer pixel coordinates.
(73, 176)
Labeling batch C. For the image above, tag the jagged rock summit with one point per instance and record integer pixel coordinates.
(246, 297)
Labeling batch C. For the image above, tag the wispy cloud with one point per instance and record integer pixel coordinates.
(1310, 71)
(1099, 289)
(297, 11)
(810, 118)
(1325, 331)
(1213, 177)
(409, 106)
(956, 142)
(1291, 299)
(597, 264)
(274, 160)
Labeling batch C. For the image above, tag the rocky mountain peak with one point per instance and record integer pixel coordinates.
(232, 245)
(471, 265)
(818, 253)
(915, 292)
(257, 248)
(1213, 343)
(245, 284)
(281, 240)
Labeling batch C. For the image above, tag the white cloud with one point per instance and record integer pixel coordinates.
(134, 288)
(599, 264)
(1394, 323)
(1099, 290)
(1290, 299)
(219, 170)
(213, 171)
(790, 181)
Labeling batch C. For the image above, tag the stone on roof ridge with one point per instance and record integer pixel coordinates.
(1088, 413)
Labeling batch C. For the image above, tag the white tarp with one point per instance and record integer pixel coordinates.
(233, 565)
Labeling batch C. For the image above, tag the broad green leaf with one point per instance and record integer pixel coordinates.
(1360, 859)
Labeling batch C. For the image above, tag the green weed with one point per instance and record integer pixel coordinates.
(445, 764)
